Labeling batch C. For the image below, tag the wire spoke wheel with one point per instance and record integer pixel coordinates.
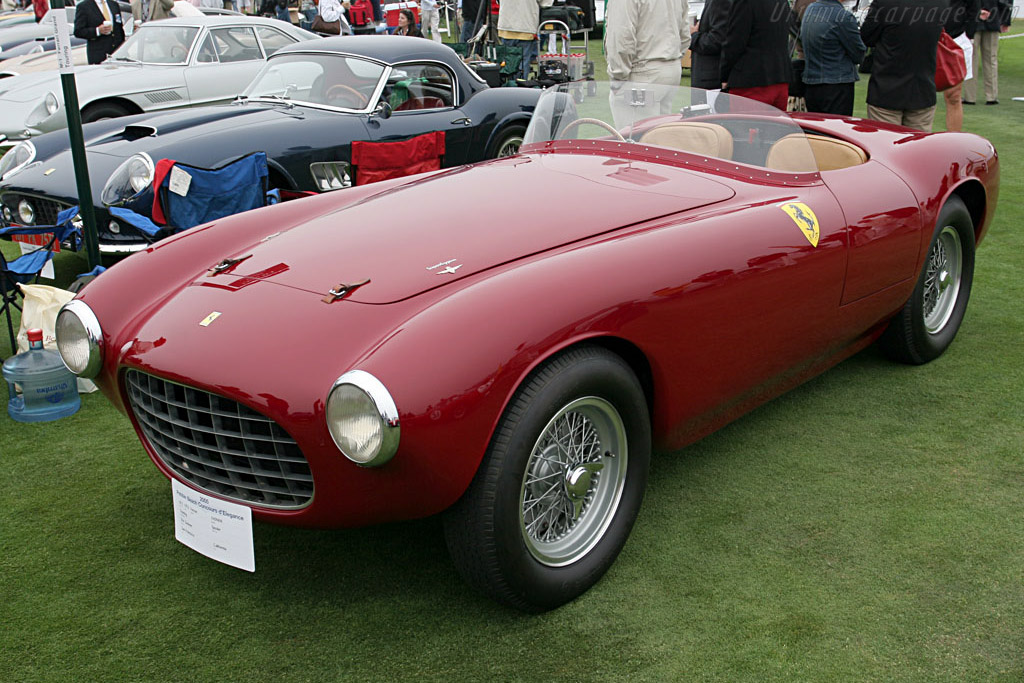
(943, 272)
(573, 481)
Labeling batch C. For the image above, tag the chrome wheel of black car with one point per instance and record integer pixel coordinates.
(561, 484)
(930, 319)
(508, 142)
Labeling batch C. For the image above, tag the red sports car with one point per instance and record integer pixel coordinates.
(507, 342)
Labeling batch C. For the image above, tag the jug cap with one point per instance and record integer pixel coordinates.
(35, 335)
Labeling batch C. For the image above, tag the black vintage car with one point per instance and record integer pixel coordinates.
(304, 110)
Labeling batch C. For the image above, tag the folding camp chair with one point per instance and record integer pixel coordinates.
(26, 268)
(186, 196)
(376, 161)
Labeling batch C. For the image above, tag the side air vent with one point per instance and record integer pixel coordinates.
(331, 175)
(162, 96)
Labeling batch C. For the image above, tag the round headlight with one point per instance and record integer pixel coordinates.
(17, 158)
(8, 215)
(363, 419)
(26, 212)
(79, 339)
(50, 102)
(129, 179)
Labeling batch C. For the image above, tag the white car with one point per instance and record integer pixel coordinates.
(165, 64)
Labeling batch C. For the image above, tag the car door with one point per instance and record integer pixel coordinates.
(423, 98)
(227, 60)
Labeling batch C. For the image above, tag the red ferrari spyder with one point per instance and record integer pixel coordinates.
(506, 342)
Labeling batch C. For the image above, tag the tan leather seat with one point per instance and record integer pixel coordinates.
(807, 153)
(698, 137)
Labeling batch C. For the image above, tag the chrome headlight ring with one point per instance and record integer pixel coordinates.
(363, 419)
(17, 158)
(79, 339)
(46, 108)
(128, 180)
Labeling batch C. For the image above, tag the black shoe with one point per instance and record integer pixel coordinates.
(968, 101)
(992, 102)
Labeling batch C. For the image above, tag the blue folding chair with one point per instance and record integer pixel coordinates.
(187, 196)
(27, 268)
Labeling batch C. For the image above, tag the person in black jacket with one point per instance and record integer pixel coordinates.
(903, 35)
(706, 45)
(101, 30)
(755, 51)
(960, 21)
(994, 19)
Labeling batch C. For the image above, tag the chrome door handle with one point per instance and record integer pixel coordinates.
(465, 120)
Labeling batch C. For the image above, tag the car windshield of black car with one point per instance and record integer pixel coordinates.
(339, 81)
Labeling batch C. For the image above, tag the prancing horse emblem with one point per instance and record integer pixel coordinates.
(804, 219)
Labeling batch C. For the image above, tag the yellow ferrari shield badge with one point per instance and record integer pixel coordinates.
(804, 219)
(209, 319)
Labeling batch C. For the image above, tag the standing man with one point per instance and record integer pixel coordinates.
(706, 38)
(98, 22)
(832, 50)
(150, 10)
(644, 42)
(993, 20)
(904, 35)
(472, 20)
(517, 27)
(430, 19)
(755, 54)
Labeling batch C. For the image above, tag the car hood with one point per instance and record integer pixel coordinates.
(444, 227)
(157, 134)
(92, 79)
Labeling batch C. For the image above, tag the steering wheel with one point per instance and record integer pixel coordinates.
(597, 122)
(178, 53)
(341, 90)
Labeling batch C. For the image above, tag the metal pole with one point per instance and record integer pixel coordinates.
(74, 116)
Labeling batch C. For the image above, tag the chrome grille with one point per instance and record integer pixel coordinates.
(46, 209)
(219, 445)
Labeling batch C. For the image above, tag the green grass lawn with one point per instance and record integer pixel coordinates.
(868, 526)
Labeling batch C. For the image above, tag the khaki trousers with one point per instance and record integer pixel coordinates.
(918, 119)
(986, 50)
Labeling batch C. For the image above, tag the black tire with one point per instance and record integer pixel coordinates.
(103, 110)
(504, 533)
(507, 142)
(930, 319)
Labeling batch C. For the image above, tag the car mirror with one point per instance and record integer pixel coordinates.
(383, 110)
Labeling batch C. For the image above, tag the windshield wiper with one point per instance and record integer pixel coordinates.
(121, 58)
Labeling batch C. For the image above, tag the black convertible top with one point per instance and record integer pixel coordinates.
(389, 49)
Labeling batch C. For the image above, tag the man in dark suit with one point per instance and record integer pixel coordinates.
(903, 35)
(706, 45)
(755, 52)
(98, 22)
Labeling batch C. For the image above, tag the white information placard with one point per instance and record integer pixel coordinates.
(62, 38)
(216, 528)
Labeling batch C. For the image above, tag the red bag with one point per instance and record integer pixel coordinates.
(360, 13)
(950, 65)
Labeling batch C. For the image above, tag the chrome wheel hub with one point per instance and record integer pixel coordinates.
(942, 280)
(573, 481)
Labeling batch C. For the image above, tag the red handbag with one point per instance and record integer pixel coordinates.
(950, 65)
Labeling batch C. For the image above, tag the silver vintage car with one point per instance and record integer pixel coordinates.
(164, 65)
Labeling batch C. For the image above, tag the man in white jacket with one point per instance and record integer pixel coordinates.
(517, 26)
(644, 42)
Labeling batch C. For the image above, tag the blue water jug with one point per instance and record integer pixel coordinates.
(48, 390)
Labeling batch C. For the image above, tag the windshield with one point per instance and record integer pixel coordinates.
(155, 44)
(333, 80)
(708, 124)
